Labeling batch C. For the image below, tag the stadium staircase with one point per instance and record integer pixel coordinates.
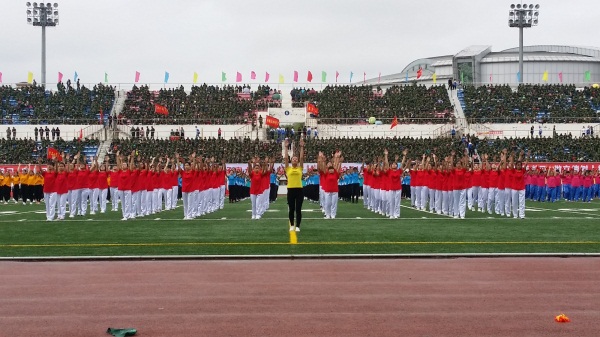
(459, 113)
(119, 131)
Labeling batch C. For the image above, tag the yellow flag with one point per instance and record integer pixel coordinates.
(434, 78)
(281, 79)
(545, 76)
(195, 77)
(30, 77)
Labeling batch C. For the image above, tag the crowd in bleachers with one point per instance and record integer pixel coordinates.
(531, 103)
(68, 104)
(204, 104)
(22, 151)
(349, 104)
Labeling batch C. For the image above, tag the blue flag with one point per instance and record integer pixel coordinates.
(518, 76)
(351, 74)
(406, 80)
(166, 77)
(75, 77)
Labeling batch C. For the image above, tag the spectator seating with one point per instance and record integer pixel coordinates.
(25, 151)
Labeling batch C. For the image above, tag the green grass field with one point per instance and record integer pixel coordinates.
(548, 228)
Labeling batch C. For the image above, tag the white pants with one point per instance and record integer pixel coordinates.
(330, 204)
(62, 205)
(168, 198)
(126, 204)
(103, 196)
(175, 190)
(83, 202)
(94, 200)
(460, 203)
(186, 196)
(194, 205)
(162, 199)
(413, 196)
(507, 201)
(499, 201)
(74, 202)
(518, 203)
(432, 200)
(222, 196)
(385, 202)
(50, 201)
(254, 200)
(473, 196)
(365, 195)
(424, 197)
(376, 200)
(483, 195)
(491, 199)
(115, 195)
(446, 207)
(438, 201)
(395, 197)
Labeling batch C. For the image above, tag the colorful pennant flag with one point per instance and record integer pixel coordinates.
(267, 76)
(223, 76)
(238, 77)
(419, 72)
(351, 74)
(518, 76)
(137, 76)
(312, 109)
(272, 122)
(337, 74)
(105, 77)
(101, 116)
(252, 75)
(323, 76)
(309, 77)
(588, 75)
(60, 76)
(560, 77)
(281, 79)
(406, 78)
(491, 78)
(30, 77)
(166, 77)
(379, 79)
(195, 79)
(0, 77)
(545, 76)
(75, 77)
(295, 76)
(161, 109)
(394, 122)
(434, 78)
(53, 153)
(462, 77)
(364, 76)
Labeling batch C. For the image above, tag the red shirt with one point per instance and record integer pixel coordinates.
(49, 182)
(187, 178)
(114, 179)
(125, 182)
(93, 180)
(61, 183)
(330, 181)
(476, 178)
(395, 179)
(82, 179)
(256, 182)
(103, 180)
(493, 179)
(459, 179)
(518, 179)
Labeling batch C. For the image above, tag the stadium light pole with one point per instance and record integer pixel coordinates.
(522, 16)
(42, 15)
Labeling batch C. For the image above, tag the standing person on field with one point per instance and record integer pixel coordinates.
(331, 174)
(295, 197)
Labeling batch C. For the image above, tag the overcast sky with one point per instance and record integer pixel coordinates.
(120, 37)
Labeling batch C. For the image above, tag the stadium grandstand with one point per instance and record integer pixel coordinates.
(436, 104)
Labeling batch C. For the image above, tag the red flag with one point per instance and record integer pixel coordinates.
(101, 116)
(137, 76)
(312, 109)
(54, 153)
(336, 76)
(309, 77)
(161, 109)
(419, 72)
(272, 122)
(394, 122)
(80, 134)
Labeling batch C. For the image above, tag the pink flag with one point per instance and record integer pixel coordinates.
(60, 76)
(0, 77)
(137, 76)
(267, 77)
(491, 78)
(295, 76)
(560, 77)
(336, 76)
(238, 77)
(252, 75)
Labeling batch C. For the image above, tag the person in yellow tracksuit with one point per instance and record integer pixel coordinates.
(4, 186)
(16, 186)
(38, 187)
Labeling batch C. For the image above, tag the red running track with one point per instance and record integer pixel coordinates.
(405, 297)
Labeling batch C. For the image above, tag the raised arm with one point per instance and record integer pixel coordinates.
(286, 158)
(301, 155)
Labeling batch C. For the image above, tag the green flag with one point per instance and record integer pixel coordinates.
(588, 76)
(323, 76)
(223, 77)
(105, 78)
(462, 77)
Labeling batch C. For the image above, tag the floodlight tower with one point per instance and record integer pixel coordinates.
(523, 16)
(42, 15)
